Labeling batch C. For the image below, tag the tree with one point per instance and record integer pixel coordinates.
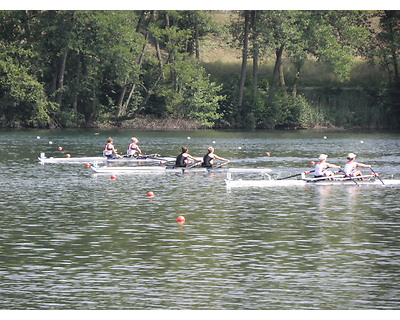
(245, 50)
(23, 101)
(384, 43)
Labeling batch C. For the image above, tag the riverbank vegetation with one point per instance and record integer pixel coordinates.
(200, 69)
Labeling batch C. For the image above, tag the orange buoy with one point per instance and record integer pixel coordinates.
(113, 177)
(181, 219)
(68, 155)
(87, 165)
(150, 194)
(59, 148)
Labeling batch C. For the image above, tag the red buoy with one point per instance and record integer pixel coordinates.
(181, 219)
(87, 165)
(267, 154)
(113, 177)
(150, 194)
(68, 155)
(59, 148)
(312, 163)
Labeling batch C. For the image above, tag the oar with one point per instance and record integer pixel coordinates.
(295, 175)
(220, 165)
(376, 175)
(349, 176)
(196, 164)
(151, 155)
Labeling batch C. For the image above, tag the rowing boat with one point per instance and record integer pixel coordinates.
(172, 169)
(363, 180)
(141, 159)
(292, 183)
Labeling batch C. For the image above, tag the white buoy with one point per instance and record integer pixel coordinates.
(362, 141)
(37, 137)
(189, 138)
(50, 142)
(325, 137)
(239, 147)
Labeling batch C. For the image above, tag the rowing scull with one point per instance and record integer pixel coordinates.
(165, 169)
(154, 159)
(364, 180)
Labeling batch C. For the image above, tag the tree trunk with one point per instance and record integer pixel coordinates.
(122, 110)
(255, 53)
(75, 102)
(299, 65)
(295, 82)
(122, 95)
(150, 91)
(60, 83)
(141, 17)
(391, 26)
(196, 37)
(167, 23)
(244, 59)
(159, 57)
(278, 62)
(276, 72)
(281, 76)
(53, 86)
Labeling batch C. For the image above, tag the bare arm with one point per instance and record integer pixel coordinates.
(333, 166)
(362, 165)
(194, 158)
(220, 158)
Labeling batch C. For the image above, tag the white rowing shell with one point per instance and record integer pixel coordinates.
(289, 183)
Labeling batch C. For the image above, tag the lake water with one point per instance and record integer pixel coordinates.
(71, 239)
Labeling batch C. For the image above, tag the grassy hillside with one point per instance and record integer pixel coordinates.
(215, 47)
(221, 60)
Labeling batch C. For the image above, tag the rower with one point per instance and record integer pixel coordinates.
(182, 160)
(350, 168)
(320, 170)
(209, 158)
(133, 149)
(109, 150)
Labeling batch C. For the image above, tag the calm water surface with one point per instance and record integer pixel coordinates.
(71, 239)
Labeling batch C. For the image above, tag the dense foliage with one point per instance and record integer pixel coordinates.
(91, 68)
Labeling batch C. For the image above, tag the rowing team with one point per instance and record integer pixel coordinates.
(111, 152)
(208, 161)
(349, 170)
(182, 160)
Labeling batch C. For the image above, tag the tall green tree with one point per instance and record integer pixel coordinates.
(384, 43)
(23, 101)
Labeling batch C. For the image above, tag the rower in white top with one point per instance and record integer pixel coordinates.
(133, 149)
(350, 168)
(320, 170)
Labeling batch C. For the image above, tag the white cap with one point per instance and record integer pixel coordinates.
(351, 156)
(323, 157)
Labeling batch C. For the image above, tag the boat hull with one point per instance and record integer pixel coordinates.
(74, 160)
(293, 183)
(163, 169)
